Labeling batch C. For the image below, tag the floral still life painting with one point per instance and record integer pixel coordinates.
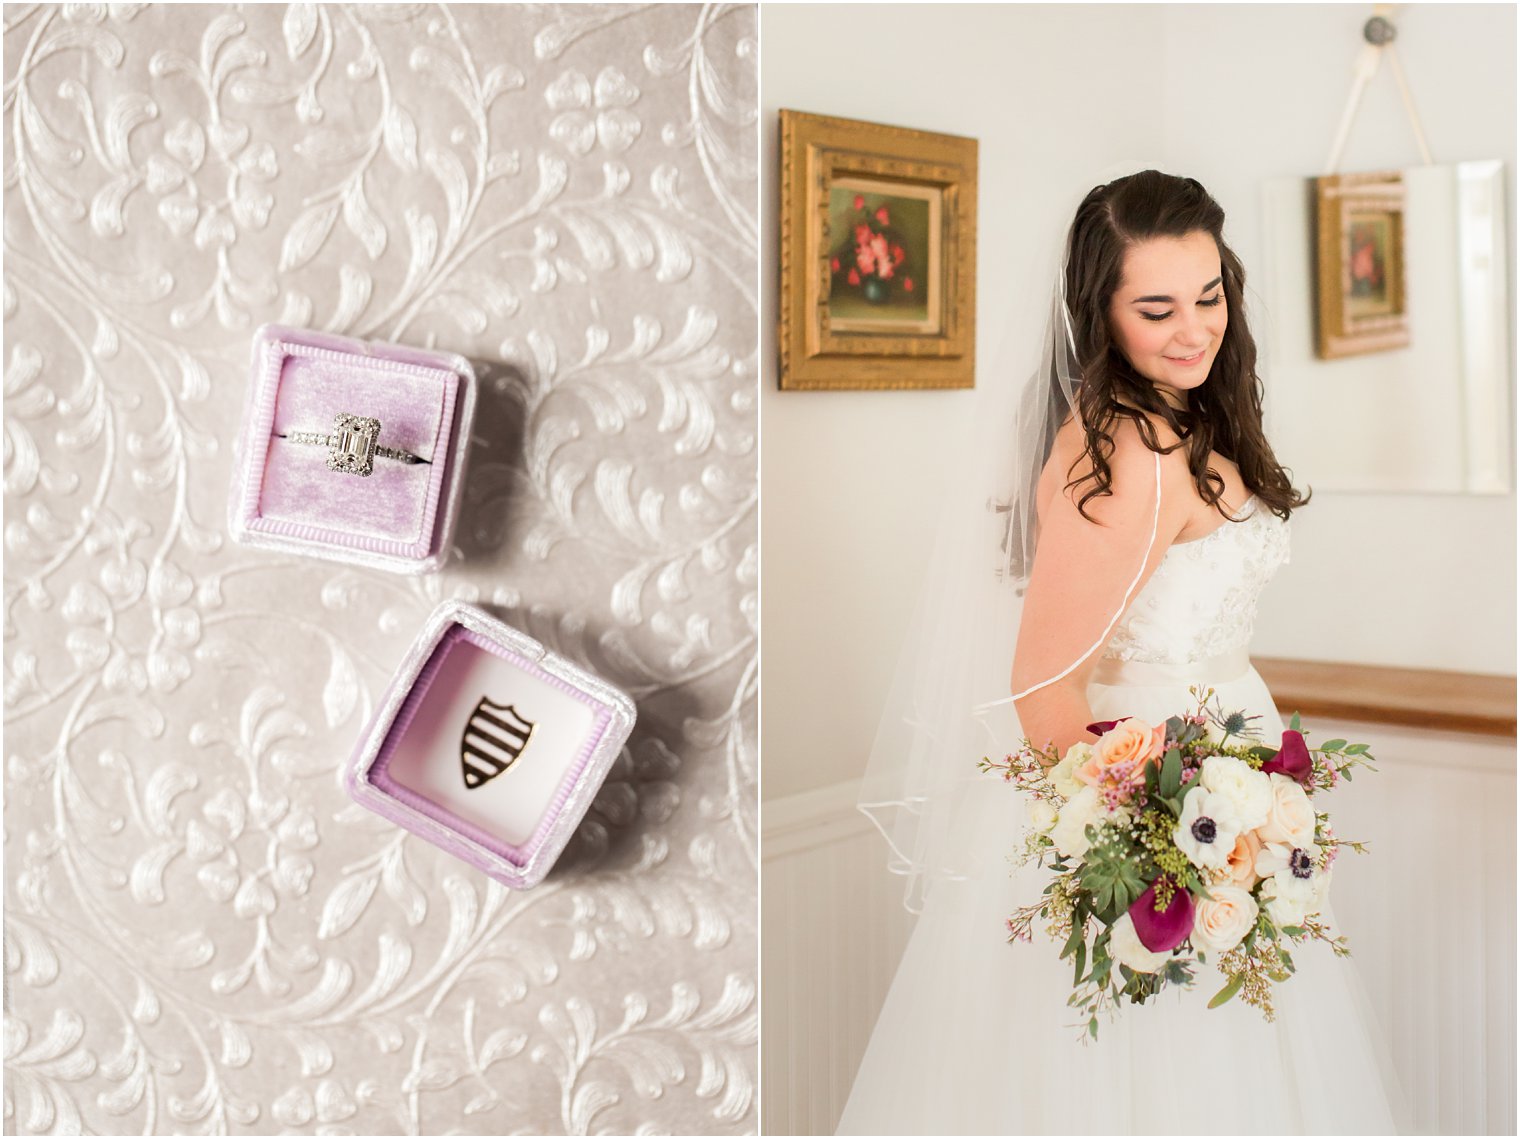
(878, 256)
(883, 265)
(1361, 299)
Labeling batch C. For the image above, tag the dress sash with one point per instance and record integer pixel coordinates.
(1212, 671)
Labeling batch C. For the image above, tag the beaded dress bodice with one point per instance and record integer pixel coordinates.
(1201, 600)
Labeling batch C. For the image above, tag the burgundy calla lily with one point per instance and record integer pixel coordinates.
(1164, 930)
(1101, 726)
(1293, 760)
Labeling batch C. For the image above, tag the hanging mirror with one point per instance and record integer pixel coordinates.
(1427, 411)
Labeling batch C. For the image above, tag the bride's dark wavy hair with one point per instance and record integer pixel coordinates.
(1224, 411)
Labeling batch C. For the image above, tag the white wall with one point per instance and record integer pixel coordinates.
(1061, 98)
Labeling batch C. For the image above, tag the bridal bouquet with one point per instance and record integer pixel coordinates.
(1173, 849)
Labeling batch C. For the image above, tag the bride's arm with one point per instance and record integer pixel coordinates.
(1085, 574)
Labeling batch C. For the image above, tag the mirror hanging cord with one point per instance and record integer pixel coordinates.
(1379, 33)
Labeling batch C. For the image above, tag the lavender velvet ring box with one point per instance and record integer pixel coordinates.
(489, 745)
(350, 499)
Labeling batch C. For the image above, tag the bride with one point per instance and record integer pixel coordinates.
(1136, 512)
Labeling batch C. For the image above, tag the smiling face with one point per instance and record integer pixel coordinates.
(1168, 314)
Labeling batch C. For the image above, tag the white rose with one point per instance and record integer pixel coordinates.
(1222, 920)
(1249, 791)
(1207, 831)
(1070, 832)
(1286, 904)
(1063, 774)
(1125, 947)
(1042, 816)
(1291, 818)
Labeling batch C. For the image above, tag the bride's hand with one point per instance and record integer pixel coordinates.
(1057, 716)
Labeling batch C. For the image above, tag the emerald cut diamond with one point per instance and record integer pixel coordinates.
(353, 443)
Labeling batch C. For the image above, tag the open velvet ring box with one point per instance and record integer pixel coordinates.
(352, 450)
(489, 745)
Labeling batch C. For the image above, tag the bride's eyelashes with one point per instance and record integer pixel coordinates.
(1218, 300)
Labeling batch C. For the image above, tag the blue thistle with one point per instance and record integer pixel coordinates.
(1233, 723)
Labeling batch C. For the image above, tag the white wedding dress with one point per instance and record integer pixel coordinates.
(975, 1036)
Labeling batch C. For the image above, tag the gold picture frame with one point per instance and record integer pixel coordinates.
(878, 256)
(1361, 303)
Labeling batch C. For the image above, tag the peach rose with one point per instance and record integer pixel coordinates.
(1121, 753)
(1291, 819)
(1241, 867)
(1222, 920)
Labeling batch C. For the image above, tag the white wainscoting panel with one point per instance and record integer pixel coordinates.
(1430, 914)
(834, 929)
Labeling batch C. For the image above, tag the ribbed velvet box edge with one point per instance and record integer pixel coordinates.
(245, 478)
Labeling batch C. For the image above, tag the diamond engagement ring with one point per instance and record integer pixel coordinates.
(353, 445)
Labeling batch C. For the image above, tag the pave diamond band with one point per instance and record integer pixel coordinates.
(327, 441)
(353, 445)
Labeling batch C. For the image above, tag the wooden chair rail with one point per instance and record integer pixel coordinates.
(1479, 703)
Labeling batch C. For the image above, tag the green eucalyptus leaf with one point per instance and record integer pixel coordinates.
(1073, 941)
(1332, 745)
(1224, 994)
(1294, 723)
(1103, 966)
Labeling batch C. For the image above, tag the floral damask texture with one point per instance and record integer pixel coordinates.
(202, 935)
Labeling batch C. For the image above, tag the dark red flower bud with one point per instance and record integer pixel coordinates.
(1293, 760)
(1162, 931)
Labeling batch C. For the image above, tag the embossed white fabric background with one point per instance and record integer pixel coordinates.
(201, 933)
